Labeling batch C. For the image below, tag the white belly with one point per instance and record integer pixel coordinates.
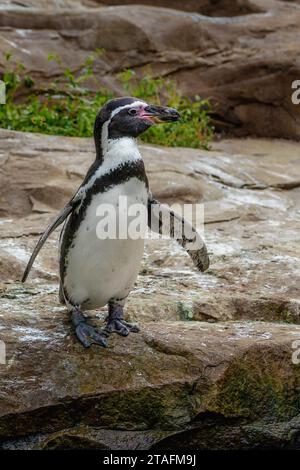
(102, 269)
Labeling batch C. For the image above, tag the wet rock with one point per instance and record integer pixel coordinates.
(10, 266)
(223, 50)
(50, 384)
(212, 366)
(251, 215)
(205, 7)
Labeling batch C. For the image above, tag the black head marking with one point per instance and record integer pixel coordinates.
(104, 116)
(127, 117)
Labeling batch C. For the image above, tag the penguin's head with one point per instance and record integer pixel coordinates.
(129, 117)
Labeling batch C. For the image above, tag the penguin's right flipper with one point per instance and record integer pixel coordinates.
(63, 214)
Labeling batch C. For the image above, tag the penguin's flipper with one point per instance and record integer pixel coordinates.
(180, 229)
(63, 214)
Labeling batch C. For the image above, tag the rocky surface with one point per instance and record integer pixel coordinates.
(212, 366)
(242, 54)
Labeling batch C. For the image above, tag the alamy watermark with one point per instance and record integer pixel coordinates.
(126, 220)
(296, 94)
(2, 352)
(2, 92)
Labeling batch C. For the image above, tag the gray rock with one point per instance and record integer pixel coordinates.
(243, 55)
(212, 366)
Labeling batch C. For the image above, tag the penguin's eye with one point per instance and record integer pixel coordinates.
(132, 112)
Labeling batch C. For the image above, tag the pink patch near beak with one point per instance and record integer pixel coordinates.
(143, 114)
(148, 117)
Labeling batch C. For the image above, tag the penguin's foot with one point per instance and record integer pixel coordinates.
(87, 334)
(116, 324)
(121, 327)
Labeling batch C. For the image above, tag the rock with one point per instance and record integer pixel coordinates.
(213, 365)
(50, 384)
(205, 7)
(220, 50)
(251, 222)
(203, 368)
(11, 267)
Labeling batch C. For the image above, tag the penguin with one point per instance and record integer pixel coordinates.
(97, 271)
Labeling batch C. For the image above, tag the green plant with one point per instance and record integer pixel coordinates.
(195, 128)
(68, 106)
(185, 312)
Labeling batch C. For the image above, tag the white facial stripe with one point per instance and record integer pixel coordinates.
(135, 104)
(104, 134)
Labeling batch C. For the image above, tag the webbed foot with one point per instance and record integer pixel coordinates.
(88, 334)
(121, 327)
(116, 324)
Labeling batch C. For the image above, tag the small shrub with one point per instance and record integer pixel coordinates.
(68, 107)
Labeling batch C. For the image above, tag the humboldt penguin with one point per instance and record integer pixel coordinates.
(97, 271)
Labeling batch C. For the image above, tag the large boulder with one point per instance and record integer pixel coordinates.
(243, 55)
(215, 364)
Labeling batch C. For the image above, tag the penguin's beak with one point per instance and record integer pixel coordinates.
(157, 114)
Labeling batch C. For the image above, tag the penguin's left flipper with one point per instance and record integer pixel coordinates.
(63, 214)
(180, 229)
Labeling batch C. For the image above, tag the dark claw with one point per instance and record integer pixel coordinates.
(121, 327)
(132, 327)
(88, 335)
